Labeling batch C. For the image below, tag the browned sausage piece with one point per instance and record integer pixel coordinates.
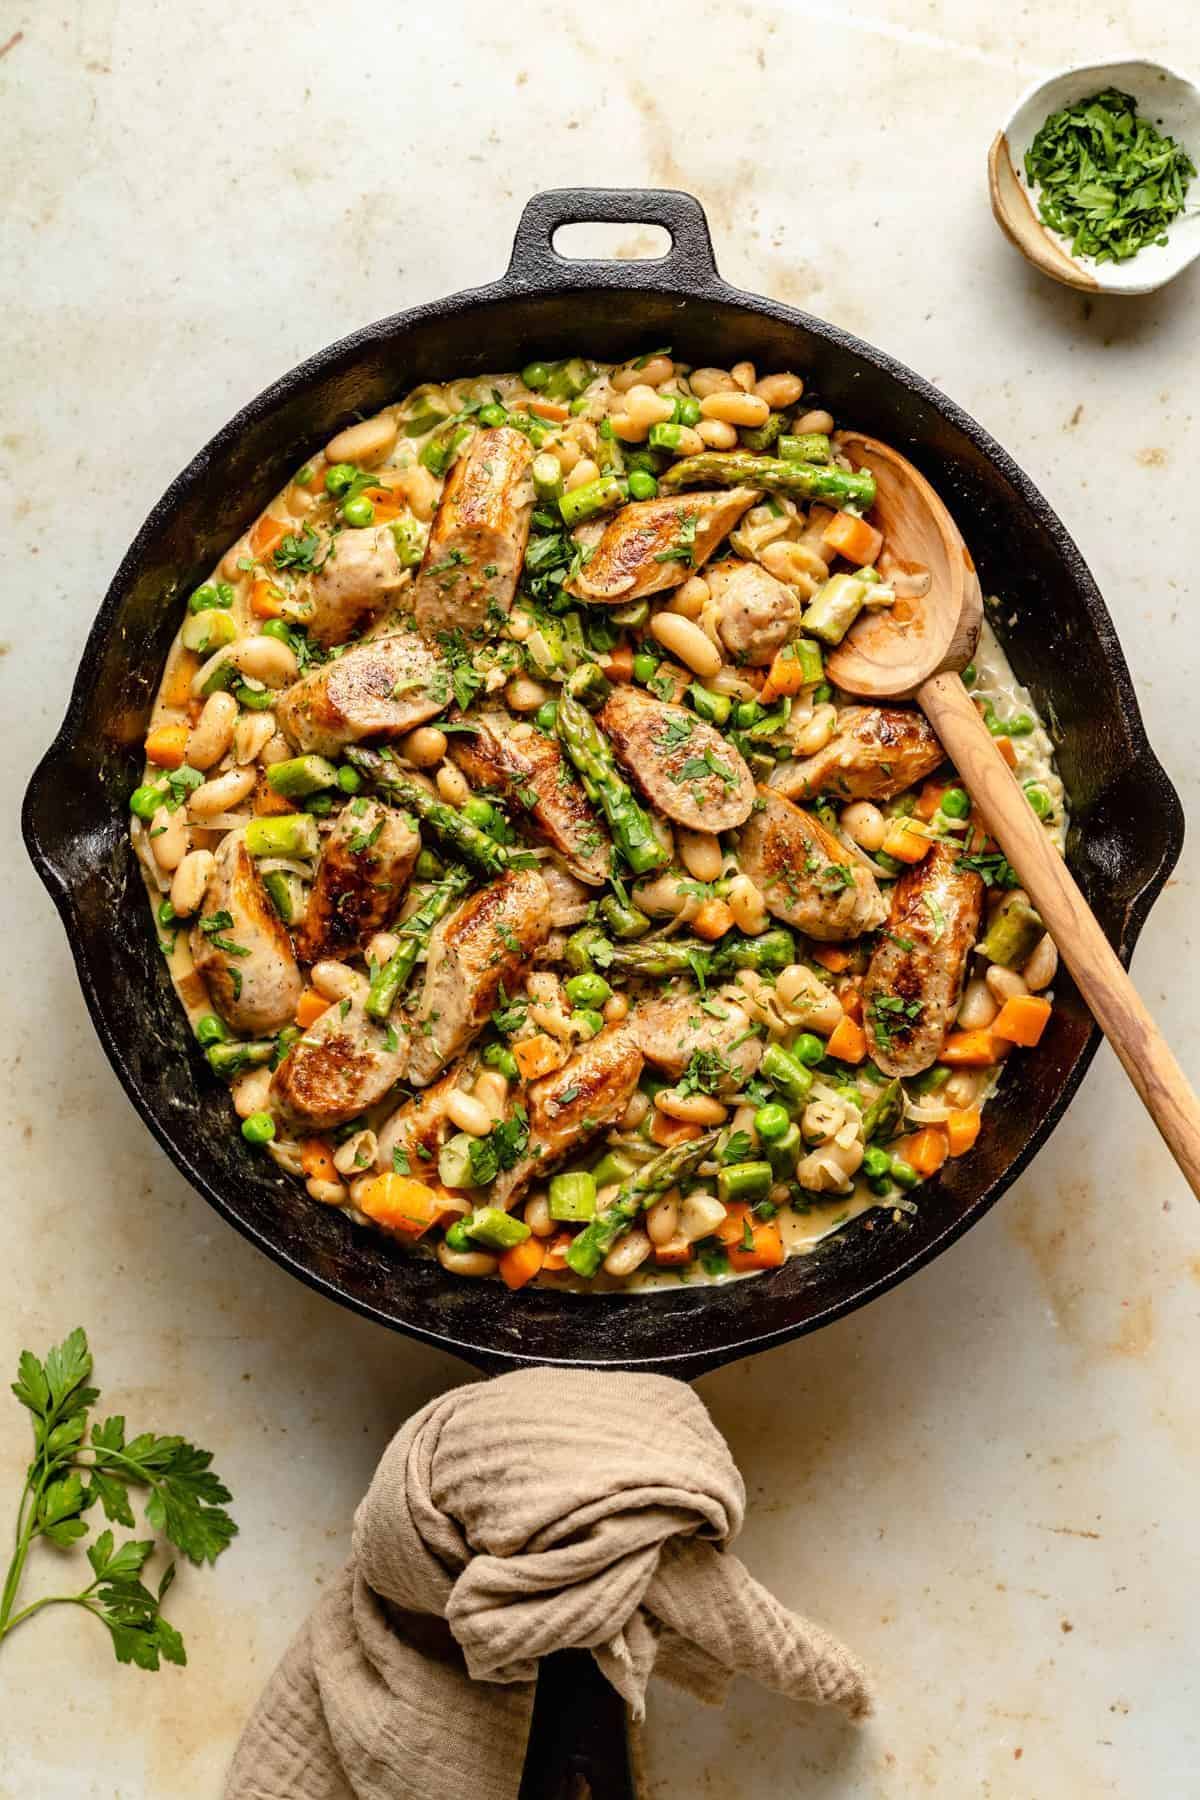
(758, 614)
(684, 768)
(477, 542)
(876, 752)
(534, 774)
(240, 947)
(344, 1063)
(671, 1032)
(365, 863)
(807, 878)
(354, 584)
(655, 544)
(565, 1109)
(912, 986)
(484, 945)
(379, 689)
(410, 1138)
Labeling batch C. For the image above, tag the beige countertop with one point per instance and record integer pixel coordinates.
(986, 1482)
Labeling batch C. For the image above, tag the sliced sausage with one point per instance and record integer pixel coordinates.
(758, 614)
(410, 1138)
(240, 947)
(565, 1109)
(354, 584)
(379, 689)
(912, 986)
(487, 943)
(806, 877)
(343, 1064)
(684, 768)
(876, 751)
(655, 544)
(477, 541)
(365, 864)
(534, 774)
(670, 1032)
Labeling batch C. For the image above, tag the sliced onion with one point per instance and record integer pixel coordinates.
(228, 821)
(284, 865)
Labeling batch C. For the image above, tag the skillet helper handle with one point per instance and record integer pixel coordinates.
(578, 1743)
(688, 265)
(1113, 1000)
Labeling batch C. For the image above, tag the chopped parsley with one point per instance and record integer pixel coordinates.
(502, 1148)
(301, 553)
(891, 1013)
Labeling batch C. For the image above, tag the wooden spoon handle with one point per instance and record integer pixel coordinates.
(1114, 1001)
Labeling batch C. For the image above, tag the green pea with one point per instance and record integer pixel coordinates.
(340, 478)
(492, 416)
(808, 1049)
(304, 478)
(955, 803)
(145, 801)
(210, 1030)
(642, 486)
(578, 406)
(478, 812)
(876, 1163)
(644, 667)
(747, 713)
(167, 916)
(277, 628)
(349, 780)
(319, 805)
(359, 511)
(588, 989)
(822, 693)
(456, 1237)
(771, 1122)
(205, 598)
(887, 863)
(535, 375)
(546, 716)
(687, 411)
(880, 1185)
(428, 866)
(498, 1056)
(259, 1128)
(970, 675)
(591, 1018)
(1039, 799)
(1021, 724)
(903, 1173)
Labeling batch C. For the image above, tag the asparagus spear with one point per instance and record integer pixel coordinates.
(589, 1249)
(773, 949)
(590, 751)
(472, 844)
(805, 481)
(389, 981)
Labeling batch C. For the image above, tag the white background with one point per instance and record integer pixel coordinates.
(987, 1482)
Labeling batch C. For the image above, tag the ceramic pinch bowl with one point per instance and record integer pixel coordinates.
(1164, 96)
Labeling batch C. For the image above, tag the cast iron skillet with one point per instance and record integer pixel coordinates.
(1126, 836)
(1127, 821)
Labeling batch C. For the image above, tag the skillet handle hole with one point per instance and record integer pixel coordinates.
(612, 243)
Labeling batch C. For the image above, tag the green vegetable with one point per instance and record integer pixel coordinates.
(970, 675)
(613, 1167)
(71, 1469)
(687, 411)
(773, 949)
(1021, 724)
(876, 1164)
(259, 1128)
(409, 541)
(545, 716)
(808, 1049)
(590, 1247)
(546, 471)
(771, 1122)
(456, 1236)
(787, 1076)
(573, 1197)
(631, 825)
(955, 803)
(283, 834)
(903, 1173)
(340, 479)
(588, 1016)
(211, 1030)
(783, 1152)
(587, 989)
(803, 481)
(498, 1056)
(535, 375)
(205, 632)
(666, 437)
(211, 594)
(622, 920)
(167, 916)
(747, 713)
(634, 616)
(644, 666)
(1039, 799)
(1013, 933)
(594, 497)
(808, 654)
(301, 776)
(834, 607)
(885, 1115)
(492, 415)
(389, 982)
(349, 780)
(287, 894)
(145, 801)
(479, 811)
(472, 844)
(358, 511)
(642, 485)
(714, 708)
(809, 447)
(765, 436)
(454, 1161)
(230, 1058)
(444, 446)
(1107, 178)
(745, 1181)
(495, 1229)
(567, 380)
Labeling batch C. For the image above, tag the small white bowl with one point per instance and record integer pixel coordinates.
(1163, 95)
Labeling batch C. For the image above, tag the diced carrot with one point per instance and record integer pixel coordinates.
(266, 801)
(732, 1225)
(316, 1159)
(665, 1131)
(555, 1260)
(400, 1203)
(620, 663)
(972, 1050)
(1022, 1019)
(905, 844)
(309, 1007)
(1007, 749)
(166, 746)
(852, 1003)
(548, 409)
(267, 535)
(522, 1262)
(925, 1150)
(853, 538)
(266, 600)
(784, 677)
(831, 958)
(847, 1042)
(535, 1056)
(177, 690)
(962, 1129)
(766, 1251)
(676, 1253)
(713, 920)
(929, 799)
(387, 506)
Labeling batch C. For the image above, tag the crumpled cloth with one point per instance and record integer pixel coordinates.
(541, 1511)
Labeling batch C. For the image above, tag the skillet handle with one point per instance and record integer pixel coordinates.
(689, 264)
(578, 1744)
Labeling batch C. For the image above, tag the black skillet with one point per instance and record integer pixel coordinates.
(1126, 834)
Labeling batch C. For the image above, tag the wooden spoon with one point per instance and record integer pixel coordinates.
(883, 659)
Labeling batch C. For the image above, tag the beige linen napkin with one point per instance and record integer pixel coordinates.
(541, 1511)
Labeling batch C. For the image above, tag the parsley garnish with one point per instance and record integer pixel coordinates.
(502, 1148)
(400, 1162)
(301, 552)
(890, 1013)
(992, 867)
(937, 917)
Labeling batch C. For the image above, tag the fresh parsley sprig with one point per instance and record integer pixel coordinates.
(72, 1470)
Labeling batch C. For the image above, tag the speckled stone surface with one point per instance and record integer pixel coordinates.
(987, 1481)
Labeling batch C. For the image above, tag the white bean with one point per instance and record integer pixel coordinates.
(691, 598)
(662, 1220)
(615, 1008)
(265, 659)
(452, 785)
(711, 381)
(643, 407)
(1004, 983)
(382, 947)
(357, 1153)
(425, 747)
(816, 734)
(964, 1087)
(329, 1193)
(635, 1112)
(820, 420)
(491, 1089)
(779, 390)
(691, 1109)
(628, 1253)
(468, 1113)
(367, 442)
(466, 1262)
(717, 434)
(251, 735)
(585, 470)
(701, 853)
(519, 626)
(222, 793)
(537, 1216)
(191, 882)
(978, 1007)
(747, 905)
(276, 749)
(524, 694)
(250, 1091)
(735, 409)
(212, 734)
(806, 1000)
(865, 824)
(745, 375)
(685, 640)
(170, 837)
(651, 373)
(699, 1216)
(1042, 965)
(334, 980)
